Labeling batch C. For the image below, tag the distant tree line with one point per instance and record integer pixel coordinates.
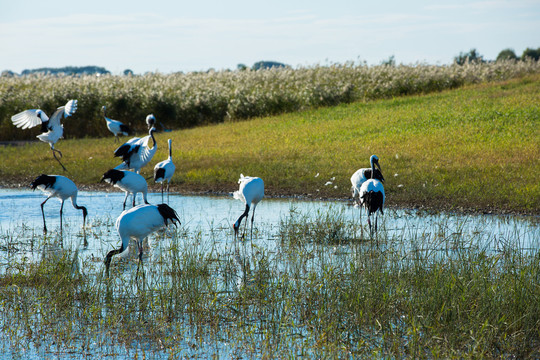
(464, 57)
(507, 54)
(263, 65)
(68, 70)
(97, 70)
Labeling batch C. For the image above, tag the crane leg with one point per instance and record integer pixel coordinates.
(57, 159)
(140, 264)
(125, 199)
(61, 215)
(252, 217)
(43, 213)
(245, 230)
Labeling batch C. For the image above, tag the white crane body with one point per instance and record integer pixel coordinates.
(139, 222)
(129, 182)
(251, 192)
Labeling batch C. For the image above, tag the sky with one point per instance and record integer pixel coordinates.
(170, 36)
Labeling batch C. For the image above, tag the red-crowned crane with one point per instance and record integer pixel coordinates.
(372, 196)
(60, 187)
(251, 191)
(364, 174)
(52, 129)
(115, 126)
(127, 181)
(150, 121)
(164, 170)
(136, 153)
(137, 223)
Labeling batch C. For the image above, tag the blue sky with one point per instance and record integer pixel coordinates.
(169, 36)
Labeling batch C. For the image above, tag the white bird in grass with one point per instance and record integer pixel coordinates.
(115, 126)
(128, 181)
(52, 129)
(372, 197)
(164, 170)
(136, 153)
(139, 222)
(364, 174)
(251, 191)
(60, 187)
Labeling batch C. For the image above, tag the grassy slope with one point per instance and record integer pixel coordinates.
(476, 147)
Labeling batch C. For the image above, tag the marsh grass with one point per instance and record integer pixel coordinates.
(437, 292)
(326, 227)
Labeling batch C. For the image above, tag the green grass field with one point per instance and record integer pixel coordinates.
(476, 147)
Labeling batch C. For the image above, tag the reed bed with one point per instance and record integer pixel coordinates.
(315, 292)
(186, 100)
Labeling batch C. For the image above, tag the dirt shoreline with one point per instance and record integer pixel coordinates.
(187, 190)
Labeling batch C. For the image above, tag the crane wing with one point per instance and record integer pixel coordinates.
(28, 118)
(125, 149)
(66, 110)
(56, 117)
(146, 154)
(135, 141)
(144, 141)
(70, 108)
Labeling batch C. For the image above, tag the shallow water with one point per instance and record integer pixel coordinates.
(207, 227)
(20, 208)
(212, 217)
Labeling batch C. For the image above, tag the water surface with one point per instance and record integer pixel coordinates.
(207, 228)
(213, 216)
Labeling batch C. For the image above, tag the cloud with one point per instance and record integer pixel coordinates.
(168, 42)
(489, 5)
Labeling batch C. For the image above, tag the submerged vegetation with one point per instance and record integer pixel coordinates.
(421, 294)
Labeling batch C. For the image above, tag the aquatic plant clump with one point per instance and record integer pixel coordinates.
(186, 100)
